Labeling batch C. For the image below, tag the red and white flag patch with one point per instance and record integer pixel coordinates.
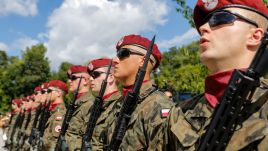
(165, 112)
(58, 128)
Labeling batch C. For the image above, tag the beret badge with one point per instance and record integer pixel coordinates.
(210, 4)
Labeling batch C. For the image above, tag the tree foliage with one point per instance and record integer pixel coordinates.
(181, 70)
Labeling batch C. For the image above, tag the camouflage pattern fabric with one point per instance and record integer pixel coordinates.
(188, 122)
(77, 125)
(53, 127)
(10, 128)
(98, 137)
(147, 127)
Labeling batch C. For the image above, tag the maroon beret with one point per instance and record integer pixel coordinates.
(142, 42)
(59, 84)
(78, 69)
(97, 63)
(204, 7)
(18, 102)
(24, 99)
(45, 85)
(38, 88)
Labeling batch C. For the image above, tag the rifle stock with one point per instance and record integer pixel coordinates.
(129, 104)
(236, 98)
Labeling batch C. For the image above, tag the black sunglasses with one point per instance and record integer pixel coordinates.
(126, 52)
(43, 91)
(73, 77)
(96, 74)
(222, 17)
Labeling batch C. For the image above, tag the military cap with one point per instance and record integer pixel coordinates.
(97, 63)
(59, 84)
(18, 102)
(44, 85)
(204, 7)
(142, 42)
(38, 88)
(24, 99)
(78, 69)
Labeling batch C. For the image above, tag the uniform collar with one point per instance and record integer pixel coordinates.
(215, 85)
(105, 97)
(127, 89)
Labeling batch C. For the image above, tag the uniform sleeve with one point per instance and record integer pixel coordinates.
(180, 134)
(147, 130)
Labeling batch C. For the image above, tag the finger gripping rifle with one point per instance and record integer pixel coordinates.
(61, 142)
(129, 104)
(236, 99)
(95, 113)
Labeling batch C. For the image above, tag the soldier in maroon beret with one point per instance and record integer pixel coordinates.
(56, 91)
(147, 123)
(98, 71)
(231, 32)
(83, 102)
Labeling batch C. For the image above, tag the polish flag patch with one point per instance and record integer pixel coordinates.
(57, 128)
(165, 112)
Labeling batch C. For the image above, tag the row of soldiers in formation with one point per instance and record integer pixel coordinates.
(232, 114)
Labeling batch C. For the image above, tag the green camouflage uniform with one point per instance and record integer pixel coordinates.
(187, 122)
(147, 127)
(28, 131)
(25, 125)
(53, 127)
(11, 126)
(98, 137)
(77, 125)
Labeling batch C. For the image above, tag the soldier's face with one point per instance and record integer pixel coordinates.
(224, 45)
(125, 69)
(96, 79)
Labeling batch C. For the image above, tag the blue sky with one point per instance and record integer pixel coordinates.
(80, 30)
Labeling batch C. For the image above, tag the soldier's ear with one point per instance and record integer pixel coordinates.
(255, 37)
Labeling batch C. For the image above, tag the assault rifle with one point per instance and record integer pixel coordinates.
(42, 126)
(95, 114)
(129, 104)
(235, 103)
(16, 124)
(23, 132)
(61, 142)
(19, 126)
(34, 130)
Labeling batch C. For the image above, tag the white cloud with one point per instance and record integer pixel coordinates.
(3, 46)
(20, 7)
(80, 30)
(22, 43)
(185, 38)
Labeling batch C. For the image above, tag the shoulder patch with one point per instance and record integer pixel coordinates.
(57, 128)
(59, 118)
(164, 112)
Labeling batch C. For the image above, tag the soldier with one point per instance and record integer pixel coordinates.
(146, 129)
(231, 32)
(83, 103)
(98, 69)
(16, 104)
(56, 91)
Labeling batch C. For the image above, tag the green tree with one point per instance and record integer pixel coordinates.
(182, 70)
(21, 76)
(62, 72)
